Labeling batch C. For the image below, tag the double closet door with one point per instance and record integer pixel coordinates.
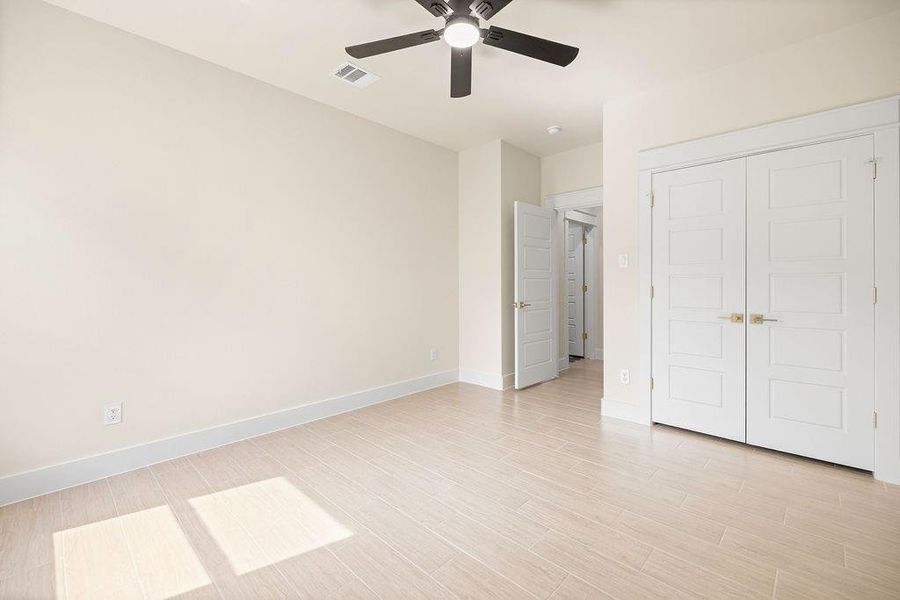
(763, 314)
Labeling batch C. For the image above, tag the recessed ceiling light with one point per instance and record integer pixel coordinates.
(554, 130)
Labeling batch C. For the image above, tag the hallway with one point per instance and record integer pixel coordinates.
(581, 384)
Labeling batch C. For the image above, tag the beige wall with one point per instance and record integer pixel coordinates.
(577, 169)
(521, 182)
(199, 245)
(480, 281)
(570, 171)
(848, 66)
(492, 177)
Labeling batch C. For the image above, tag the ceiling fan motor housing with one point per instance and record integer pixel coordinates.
(462, 31)
(460, 18)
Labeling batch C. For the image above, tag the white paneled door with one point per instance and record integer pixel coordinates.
(575, 242)
(698, 305)
(810, 275)
(535, 347)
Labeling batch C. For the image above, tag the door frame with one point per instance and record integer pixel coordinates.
(561, 203)
(592, 259)
(568, 222)
(881, 119)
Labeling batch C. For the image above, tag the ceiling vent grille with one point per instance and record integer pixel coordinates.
(355, 75)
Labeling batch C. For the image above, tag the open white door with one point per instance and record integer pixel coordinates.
(535, 344)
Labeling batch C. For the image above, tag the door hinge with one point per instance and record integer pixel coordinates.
(652, 383)
(584, 240)
(652, 199)
(584, 288)
(874, 168)
(875, 420)
(652, 292)
(584, 335)
(874, 295)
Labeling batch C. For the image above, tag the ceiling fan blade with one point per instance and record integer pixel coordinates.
(438, 8)
(395, 43)
(461, 72)
(485, 9)
(528, 45)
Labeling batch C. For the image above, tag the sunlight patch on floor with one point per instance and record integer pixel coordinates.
(96, 560)
(281, 520)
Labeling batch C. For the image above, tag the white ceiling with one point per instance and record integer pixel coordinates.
(626, 46)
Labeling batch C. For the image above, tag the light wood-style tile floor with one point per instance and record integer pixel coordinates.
(463, 492)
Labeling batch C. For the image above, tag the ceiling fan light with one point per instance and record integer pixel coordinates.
(462, 34)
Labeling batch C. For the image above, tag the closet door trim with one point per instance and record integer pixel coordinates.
(882, 120)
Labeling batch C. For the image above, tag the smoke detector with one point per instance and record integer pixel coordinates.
(554, 130)
(355, 75)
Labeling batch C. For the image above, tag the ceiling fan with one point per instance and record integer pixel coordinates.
(462, 32)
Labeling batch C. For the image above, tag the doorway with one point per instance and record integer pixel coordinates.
(581, 286)
(548, 283)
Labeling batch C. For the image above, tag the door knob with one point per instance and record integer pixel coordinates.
(733, 317)
(520, 304)
(758, 319)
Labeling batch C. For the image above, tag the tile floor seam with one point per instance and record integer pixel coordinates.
(178, 519)
(127, 540)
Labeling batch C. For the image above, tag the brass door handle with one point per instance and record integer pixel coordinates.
(520, 304)
(733, 317)
(758, 319)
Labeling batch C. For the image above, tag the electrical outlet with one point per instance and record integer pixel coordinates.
(625, 377)
(112, 414)
(433, 354)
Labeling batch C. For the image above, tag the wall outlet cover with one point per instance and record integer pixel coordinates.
(625, 377)
(112, 414)
(623, 261)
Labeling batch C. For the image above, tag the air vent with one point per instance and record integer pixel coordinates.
(355, 75)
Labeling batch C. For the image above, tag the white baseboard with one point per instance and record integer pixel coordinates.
(624, 411)
(494, 381)
(509, 381)
(22, 486)
(598, 353)
(563, 363)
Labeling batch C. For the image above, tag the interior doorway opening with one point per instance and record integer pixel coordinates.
(581, 287)
(581, 362)
(559, 293)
